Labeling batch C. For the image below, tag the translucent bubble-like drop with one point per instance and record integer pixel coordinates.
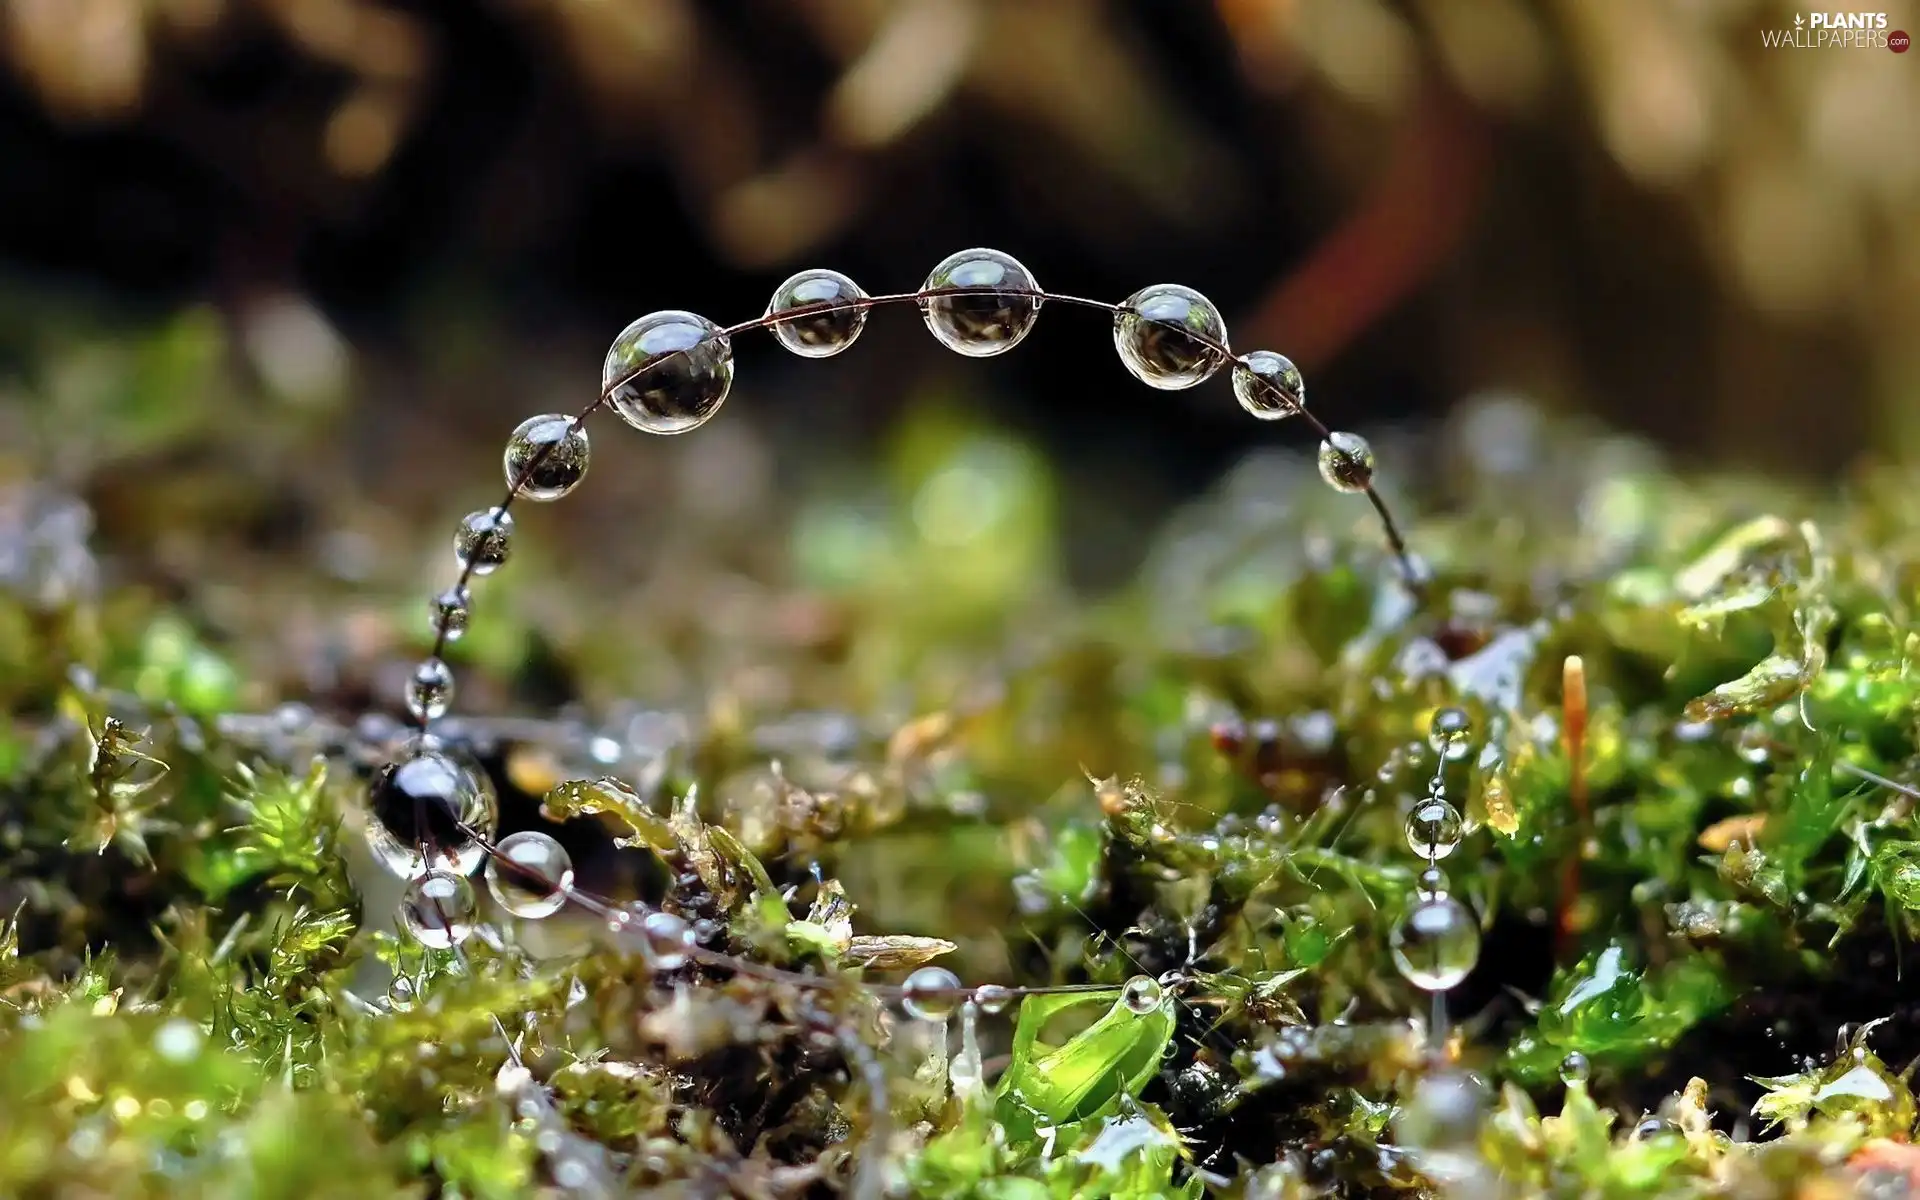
(1448, 733)
(401, 994)
(1155, 333)
(666, 940)
(1433, 829)
(1432, 882)
(529, 875)
(430, 690)
(992, 998)
(1268, 385)
(1346, 462)
(824, 333)
(1437, 944)
(989, 323)
(1141, 995)
(483, 540)
(546, 456)
(931, 994)
(1575, 1068)
(437, 909)
(428, 798)
(449, 612)
(673, 370)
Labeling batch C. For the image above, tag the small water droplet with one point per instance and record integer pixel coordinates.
(1346, 462)
(438, 908)
(530, 874)
(1268, 385)
(1575, 1068)
(1433, 829)
(668, 940)
(401, 994)
(483, 540)
(448, 613)
(546, 456)
(824, 333)
(992, 998)
(430, 690)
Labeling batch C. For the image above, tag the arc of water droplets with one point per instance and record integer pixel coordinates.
(1437, 943)
(1155, 331)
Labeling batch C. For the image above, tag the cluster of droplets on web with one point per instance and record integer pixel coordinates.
(434, 811)
(1437, 942)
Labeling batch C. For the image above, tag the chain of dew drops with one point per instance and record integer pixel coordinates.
(979, 303)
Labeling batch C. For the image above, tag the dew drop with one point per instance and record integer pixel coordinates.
(1436, 944)
(1155, 333)
(992, 998)
(1575, 1068)
(1432, 882)
(931, 994)
(546, 456)
(1448, 733)
(982, 325)
(1433, 829)
(1268, 385)
(401, 994)
(483, 540)
(1346, 462)
(677, 368)
(820, 334)
(666, 940)
(530, 874)
(428, 798)
(430, 690)
(437, 909)
(1141, 995)
(448, 613)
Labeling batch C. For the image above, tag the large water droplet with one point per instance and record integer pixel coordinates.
(429, 799)
(677, 368)
(1155, 335)
(1436, 944)
(1433, 829)
(483, 540)
(529, 875)
(546, 456)
(988, 323)
(1141, 995)
(823, 333)
(931, 994)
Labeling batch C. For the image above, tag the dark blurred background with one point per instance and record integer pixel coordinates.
(436, 215)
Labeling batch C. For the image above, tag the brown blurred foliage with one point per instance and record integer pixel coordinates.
(1744, 222)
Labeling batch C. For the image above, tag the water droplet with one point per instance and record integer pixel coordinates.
(401, 994)
(428, 799)
(483, 540)
(992, 998)
(931, 994)
(546, 456)
(1268, 385)
(1173, 981)
(1432, 882)
(179, 1040)
(1155, 335)
(430, 690)
(983, 325)
(448, 613)
(438, 909)
(1448, 733)
(1346, 462)
(1433, 829)
(667, 940)
(1575, 1068)
(1654, 1127)
(1436, 945)
(678, 368)
(820, 334)
(529, 875)
(1141, 995)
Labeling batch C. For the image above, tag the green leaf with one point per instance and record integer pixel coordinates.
(1114, 1056)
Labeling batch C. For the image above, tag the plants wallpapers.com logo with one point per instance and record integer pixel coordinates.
(1837, 31)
